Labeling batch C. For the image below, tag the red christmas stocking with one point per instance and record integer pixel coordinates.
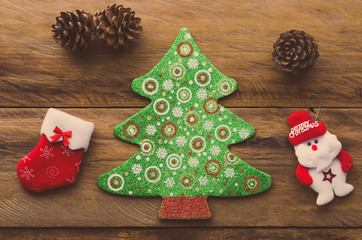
(56, 160)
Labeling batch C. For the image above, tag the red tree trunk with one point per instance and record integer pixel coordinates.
(184, 208)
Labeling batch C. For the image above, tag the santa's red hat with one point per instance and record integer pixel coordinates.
(304, 128)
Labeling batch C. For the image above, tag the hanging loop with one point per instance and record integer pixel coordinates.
(319, 107)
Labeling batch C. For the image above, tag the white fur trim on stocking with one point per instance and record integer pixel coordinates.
(81, 130)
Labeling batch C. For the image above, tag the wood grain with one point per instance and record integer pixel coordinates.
(181, 233)
(286, 204)
(236, 36)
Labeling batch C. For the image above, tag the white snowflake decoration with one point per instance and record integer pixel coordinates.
(136, 168)
(201, 94)
(71, 180)
(181, 141)
(46, 152)
(27, 173)
(208, 125)
(193, 63)
(167, 85)
(203, 180)
(244, 133)
(77, 165)
(161, 153)
(67, 151)
(151, 129)
(177, 111)
(26, 158)
(193, 162)
(229, 173)
(215, 150)
(169, 182)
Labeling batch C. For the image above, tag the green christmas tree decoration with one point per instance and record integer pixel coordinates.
(184, 136)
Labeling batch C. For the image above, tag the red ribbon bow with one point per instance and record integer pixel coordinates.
(60, 133)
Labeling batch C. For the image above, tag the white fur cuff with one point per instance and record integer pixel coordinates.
(81, 130)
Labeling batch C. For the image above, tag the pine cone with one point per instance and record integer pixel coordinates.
(295, 51)
(118, 26)
(74, 31)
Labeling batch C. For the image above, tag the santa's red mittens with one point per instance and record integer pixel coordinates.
(346, 161)
(303, 175)
(56, 160)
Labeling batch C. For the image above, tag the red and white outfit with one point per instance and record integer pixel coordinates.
(56, 160)
(323, 165)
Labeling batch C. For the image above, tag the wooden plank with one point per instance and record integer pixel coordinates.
(287, 203)
(237, 37)
(180, 233)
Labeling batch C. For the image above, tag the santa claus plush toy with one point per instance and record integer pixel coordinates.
(323, 165)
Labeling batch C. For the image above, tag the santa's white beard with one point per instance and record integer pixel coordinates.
(328, 149)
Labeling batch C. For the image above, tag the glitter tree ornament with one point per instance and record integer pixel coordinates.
(184, 136)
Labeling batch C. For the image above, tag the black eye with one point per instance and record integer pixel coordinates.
(315, 141)
(309, 144)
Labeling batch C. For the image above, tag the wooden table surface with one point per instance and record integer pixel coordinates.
(237, 37)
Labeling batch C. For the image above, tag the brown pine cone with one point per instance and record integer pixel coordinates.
(74, 31)
(118, 26)
(295, 51)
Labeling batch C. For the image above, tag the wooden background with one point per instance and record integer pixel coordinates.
(237, 37)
